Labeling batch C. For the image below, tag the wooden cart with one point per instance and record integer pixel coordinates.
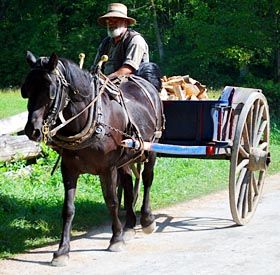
(235, 127)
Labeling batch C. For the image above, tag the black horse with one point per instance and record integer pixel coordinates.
(85, 117)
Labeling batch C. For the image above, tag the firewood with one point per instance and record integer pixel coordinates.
(193, 97)
(183, 88)
(179, 92)
(202, 95)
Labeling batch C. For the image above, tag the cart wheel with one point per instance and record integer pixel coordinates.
(249, 158)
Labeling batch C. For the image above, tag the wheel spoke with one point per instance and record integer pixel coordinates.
(245, 136)
(255, 118)
(260, 116)
(261, 179)
(245, 201)
(261, 131)
(243, 152)
(241, 165)
(263, 145)
(240, 180)
(249, 123)
(241, 194)
(255, 185)
(250, 194)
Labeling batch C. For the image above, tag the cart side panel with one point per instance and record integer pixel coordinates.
(190, 122)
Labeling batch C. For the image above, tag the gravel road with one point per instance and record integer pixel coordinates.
(196, 237)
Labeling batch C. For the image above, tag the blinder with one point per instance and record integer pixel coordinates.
(53, 91)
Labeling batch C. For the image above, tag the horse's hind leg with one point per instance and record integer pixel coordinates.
(109, 189)
(125, 178)
(147, 219)
(60, 257)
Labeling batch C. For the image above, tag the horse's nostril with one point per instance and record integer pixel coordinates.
(36, 134)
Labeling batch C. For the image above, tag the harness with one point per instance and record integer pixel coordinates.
(60, 100)
(95, 125)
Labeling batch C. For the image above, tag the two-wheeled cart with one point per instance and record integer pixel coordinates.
(235, 127)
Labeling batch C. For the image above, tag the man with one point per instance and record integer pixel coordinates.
(125, 48)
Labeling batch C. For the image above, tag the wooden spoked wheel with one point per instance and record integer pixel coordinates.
(249, 158)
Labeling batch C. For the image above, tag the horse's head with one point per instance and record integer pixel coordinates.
(40, 87)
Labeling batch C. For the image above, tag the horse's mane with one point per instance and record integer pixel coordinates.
(77, 77)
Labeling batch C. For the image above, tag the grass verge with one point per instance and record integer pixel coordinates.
(11, 103)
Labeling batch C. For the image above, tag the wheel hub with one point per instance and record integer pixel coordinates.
(258, 159)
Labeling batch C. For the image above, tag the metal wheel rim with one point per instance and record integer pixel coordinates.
(245, 186)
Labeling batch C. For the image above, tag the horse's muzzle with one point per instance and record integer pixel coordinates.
(34, 134)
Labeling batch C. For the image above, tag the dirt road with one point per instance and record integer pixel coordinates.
(197, 237)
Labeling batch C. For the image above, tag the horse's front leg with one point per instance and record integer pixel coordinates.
(60, 257)
(147, 219)
(109, 188)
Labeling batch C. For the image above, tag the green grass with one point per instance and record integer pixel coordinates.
(11, 103)
(30, 203)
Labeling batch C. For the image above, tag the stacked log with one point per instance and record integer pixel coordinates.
(182, 88)
(13, 148)
(16, 147)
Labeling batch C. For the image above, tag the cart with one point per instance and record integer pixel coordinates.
(235, 127)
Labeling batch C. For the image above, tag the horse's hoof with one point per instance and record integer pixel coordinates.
(149, 229)
(128, 234)
(60, 261)
(116, 247)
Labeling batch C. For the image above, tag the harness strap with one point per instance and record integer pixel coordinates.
(54, 131)
(158, 132)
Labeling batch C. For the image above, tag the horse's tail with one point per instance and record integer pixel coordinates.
(151, 72)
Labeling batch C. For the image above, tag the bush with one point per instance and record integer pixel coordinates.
(270, 89)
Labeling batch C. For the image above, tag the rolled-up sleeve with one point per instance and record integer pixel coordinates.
(137, 52)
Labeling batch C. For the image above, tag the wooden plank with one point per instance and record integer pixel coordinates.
(13, 124)
(14, 148)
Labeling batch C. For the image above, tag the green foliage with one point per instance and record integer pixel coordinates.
(31, 203)
(217, 42)
(11, 103)
(270, 89)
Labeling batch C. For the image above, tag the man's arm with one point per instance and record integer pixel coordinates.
(123, 70)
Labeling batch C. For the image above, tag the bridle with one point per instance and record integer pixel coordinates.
(60, 99)
(57, 104)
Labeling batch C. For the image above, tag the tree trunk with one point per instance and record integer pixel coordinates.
(13, 148)
(157, 32)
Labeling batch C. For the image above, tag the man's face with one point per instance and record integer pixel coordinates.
(116, 26)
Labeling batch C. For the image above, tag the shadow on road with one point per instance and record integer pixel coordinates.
(167, 224)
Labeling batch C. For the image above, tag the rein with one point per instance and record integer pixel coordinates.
(58, 112)
(65, 122)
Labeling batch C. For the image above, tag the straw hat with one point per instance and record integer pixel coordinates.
(116, 10)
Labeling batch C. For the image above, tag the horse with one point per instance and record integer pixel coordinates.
(85, 117)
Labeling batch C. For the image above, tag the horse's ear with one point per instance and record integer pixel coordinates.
(30, 58)
(53, 61)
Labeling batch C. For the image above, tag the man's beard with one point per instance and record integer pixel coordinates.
(115, 32)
